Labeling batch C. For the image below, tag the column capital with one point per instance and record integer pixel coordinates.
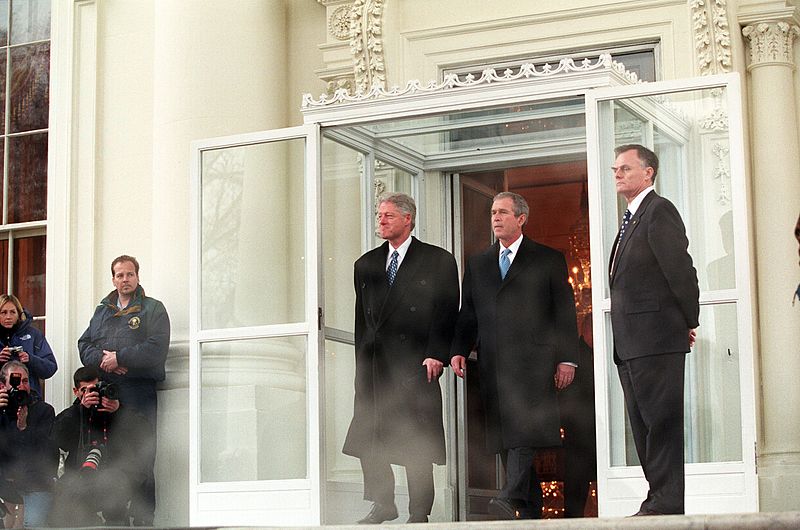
(770, 43)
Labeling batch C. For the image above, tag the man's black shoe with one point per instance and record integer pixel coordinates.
(379, 513)
(507, 508)
(417, 518)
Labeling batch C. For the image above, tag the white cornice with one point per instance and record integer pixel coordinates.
(777, 11)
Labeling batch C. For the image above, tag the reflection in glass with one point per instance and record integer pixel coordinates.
(29, 72)
(689, 133)
(253, 410)
(3, 22)
(253, 235)
(30, 21)
(712, 401)
(27, 178)
(342, 226)
(340, 371)
(29, 272)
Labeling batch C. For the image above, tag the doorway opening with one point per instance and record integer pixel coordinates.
(556, 192)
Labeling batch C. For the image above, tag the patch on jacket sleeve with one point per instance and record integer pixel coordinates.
(134, 322)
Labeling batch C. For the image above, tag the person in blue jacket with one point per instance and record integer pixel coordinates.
(23, 342)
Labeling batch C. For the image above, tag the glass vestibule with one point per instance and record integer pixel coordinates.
(306, 342)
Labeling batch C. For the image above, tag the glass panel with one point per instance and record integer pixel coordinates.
(340, 369)
(27, 178)
(30, 21)
(29, 270)
(4, 286)
(2, 92)
(253, 235)
(342, 226)
(501, 128)
(688, 131)
(253, 410)
(3, 22)
(712, 400)
(30, 87)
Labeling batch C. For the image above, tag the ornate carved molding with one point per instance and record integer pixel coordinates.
(366, 44)
(454, 81)
(717, 118)
(339, 23)
(712, 38)
(771, 43)
(722, 173)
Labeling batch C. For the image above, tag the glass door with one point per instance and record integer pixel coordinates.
(695, 128)
(255, 330)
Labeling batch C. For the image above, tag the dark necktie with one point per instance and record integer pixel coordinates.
(624, 225)
(391, 272)
(505, 263)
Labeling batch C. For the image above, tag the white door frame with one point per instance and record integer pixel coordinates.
(621, 489)
(290, 501)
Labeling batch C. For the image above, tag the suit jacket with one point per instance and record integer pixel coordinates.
(654, 289)
(396, 411)
(523, 327)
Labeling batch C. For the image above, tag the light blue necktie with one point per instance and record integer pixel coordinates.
(391, 272)
(505, 263)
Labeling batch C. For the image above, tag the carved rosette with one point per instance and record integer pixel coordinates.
(339, 23)
(366, 44)
(771, 43)
(712, 37)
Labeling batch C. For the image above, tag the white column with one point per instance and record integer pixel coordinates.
(217, 70)
(776, 186)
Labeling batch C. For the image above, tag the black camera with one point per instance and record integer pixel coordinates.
(16, 396)
(105, 389)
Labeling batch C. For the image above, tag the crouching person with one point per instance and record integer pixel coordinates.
(28, 459)
(105, 443)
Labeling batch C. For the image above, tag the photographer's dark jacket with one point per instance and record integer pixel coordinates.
(29, 457)
(41, 361)
(139, 334)
(121, 437)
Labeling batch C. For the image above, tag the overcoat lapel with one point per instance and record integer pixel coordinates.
(521, 261)
(378, 286)
(405, 275)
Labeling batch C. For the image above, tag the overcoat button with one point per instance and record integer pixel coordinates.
(413, 309)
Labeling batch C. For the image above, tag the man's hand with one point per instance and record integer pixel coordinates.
(564, 375)
(692, 337)
(3, 398)
(22, 418)
(434, 367)
(109, 361)
(5, 354)
(109, 405)
(24, 357)
(459, 365)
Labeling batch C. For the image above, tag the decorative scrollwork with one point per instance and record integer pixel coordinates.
(366, 44)
(722, 173)
(712, 38)
(490, 75)
(339, 23)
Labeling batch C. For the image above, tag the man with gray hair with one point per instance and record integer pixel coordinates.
(406, 308)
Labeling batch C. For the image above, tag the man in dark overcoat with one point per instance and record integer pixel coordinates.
(655, 309)
(406, 308)
(518, 311)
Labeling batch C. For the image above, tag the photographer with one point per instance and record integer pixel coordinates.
(21, 341)
(28, 459)
(107, 444)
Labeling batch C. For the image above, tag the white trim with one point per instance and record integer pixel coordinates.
(70, 184)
